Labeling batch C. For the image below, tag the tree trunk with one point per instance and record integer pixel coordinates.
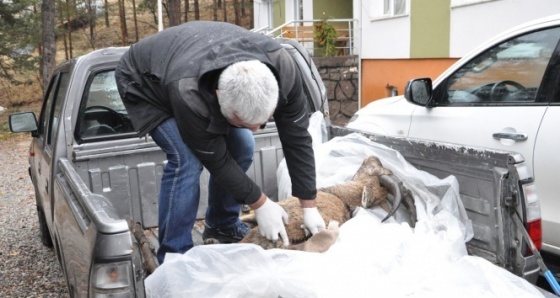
(196, 10)
(174, 12)
(122, 17)
(135, 19)
(224, 6)
(49, 42)
(107, 13)
(214, 10)
(251, 15)
(92, 12)
(236, 12)
(61, 19)
(186, 11)
(40, 41)
(68, 18)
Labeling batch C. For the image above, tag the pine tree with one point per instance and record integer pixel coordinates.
(19, 38)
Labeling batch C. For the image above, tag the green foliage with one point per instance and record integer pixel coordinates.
(19, 38)
(325, 34)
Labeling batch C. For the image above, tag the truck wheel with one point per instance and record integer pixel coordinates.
(43, 228)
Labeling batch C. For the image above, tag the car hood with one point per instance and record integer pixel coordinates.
(387, 116)
(386, 101)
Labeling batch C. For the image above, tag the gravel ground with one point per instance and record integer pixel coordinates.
(27, 267)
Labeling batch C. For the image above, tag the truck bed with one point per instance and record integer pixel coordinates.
(484, 177)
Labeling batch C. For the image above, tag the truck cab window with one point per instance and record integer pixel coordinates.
(509, 73)
(102, 112)
(59, 94)
(46, 108)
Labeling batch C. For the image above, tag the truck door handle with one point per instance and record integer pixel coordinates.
(518, 137)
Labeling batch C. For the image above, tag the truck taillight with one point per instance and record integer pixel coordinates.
(535, 231)
(112, 279)
(533, 214)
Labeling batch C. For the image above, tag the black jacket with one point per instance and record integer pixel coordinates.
(174, 74)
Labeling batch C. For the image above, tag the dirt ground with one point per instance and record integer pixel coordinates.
(27, 267)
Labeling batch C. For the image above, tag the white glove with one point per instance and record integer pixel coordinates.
(271, 219)
(312, 220)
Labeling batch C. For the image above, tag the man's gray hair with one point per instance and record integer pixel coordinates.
(248, 90)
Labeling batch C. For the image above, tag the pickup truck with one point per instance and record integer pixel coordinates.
(95, 180)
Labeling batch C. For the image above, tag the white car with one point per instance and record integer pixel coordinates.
(504, 95)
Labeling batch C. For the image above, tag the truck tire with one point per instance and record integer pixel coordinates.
(43, 228)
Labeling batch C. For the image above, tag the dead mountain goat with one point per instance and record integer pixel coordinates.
(371, 185)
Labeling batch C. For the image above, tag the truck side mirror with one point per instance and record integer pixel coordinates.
(419, 91)
(23, 122)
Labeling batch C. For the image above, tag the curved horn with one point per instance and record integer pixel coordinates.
(391, 183)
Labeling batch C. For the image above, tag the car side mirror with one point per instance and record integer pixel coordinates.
(23, 122)
(419, 91)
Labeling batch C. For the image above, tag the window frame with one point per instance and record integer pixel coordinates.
(81, 112)
(379, 9)
(390, 11)
(57, 105)
(47, 105)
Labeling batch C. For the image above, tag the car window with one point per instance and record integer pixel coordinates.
(102, 112)
(103, 92)
(510, 72)
(47, 105)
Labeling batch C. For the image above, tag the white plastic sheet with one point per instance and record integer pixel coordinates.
(338, 160)
(369, 259)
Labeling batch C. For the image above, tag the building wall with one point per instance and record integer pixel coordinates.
(378, 75)
(381, 37)
(334, 9)
(261, 14)
(429, 28)
(273, 13)
(340, 76)
(278, 12)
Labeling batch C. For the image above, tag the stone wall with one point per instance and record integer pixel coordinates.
(340, 76)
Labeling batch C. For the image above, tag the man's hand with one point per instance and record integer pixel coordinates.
(271, 219)
(312, 220)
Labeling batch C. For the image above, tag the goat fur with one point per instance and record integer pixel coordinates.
(335, 204)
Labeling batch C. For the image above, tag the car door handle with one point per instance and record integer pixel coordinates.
(518, 137)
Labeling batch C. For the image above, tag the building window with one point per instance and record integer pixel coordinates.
(394, 7)
(387, 8)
